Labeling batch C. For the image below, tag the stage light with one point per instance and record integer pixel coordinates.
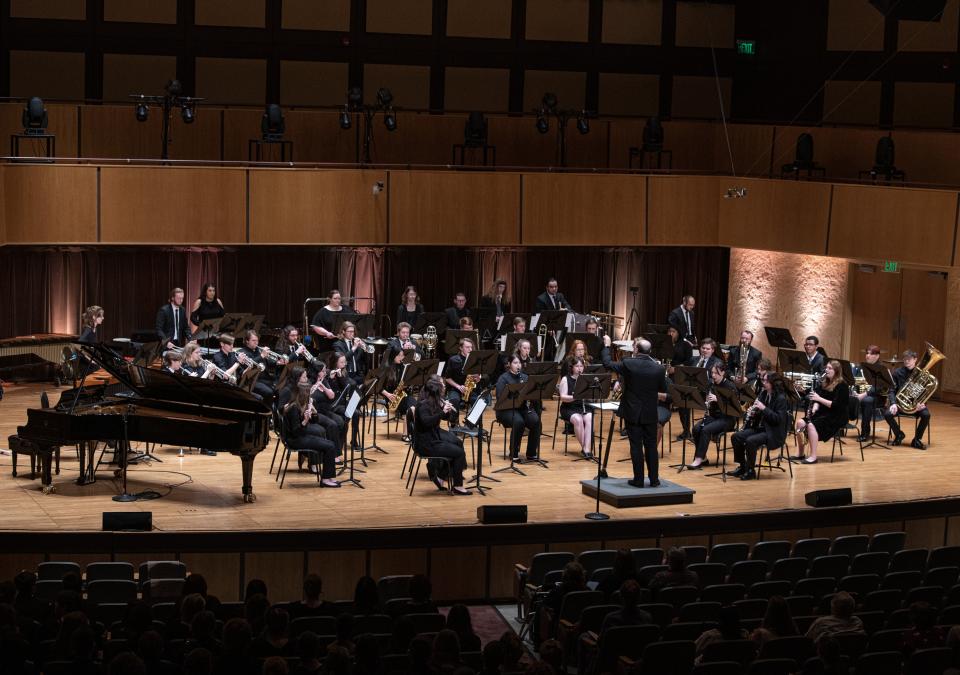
(583, 125)
(34, 116)
(549, 101)
(345, 121)
(272, 124)
(355, 96)
(384, 97)
(475, 130)
(543, 126)
(173, 88)
(187, 114)
(142, 111)
(390, 120)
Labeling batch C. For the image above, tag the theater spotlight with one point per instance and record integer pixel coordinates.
(171, 98)
(345, 121)
(272, 124)
(543, 126)
(384, 97)
(550, 107)
(34, 117)
(390, 120)
(186, 114)
(355, 104)
(583, 125)
(143, 110)
(549, 101)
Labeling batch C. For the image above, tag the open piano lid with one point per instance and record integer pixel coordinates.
(158, 384)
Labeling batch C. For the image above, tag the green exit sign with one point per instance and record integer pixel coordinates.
(747, 47)
(891, 266)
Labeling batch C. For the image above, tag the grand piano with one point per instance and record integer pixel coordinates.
(156, 407)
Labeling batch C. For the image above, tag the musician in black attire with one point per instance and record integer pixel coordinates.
(714, 421)
(409, 309)
(172, 327)
(251, 355)
(322, 322)
(324, 422)
(900, 377)
(551, 299)
(707, 359)
(682, 319)
(497, 298)
(682, 350)
(192, 365)
(644, 386)
(206, 307)
(226, 358)
(90, 320)
(766, 424)
(354, 349)
(394, 356)
(331, 401)
(518, 419)
(292, 349)
(172, 362)
(575, 411)
(343, 385)
(870, 399)
(735, 357)
(301, 434)
(430, 440)
(458, 311)
(815, 359)
(456, 379)
(827, 414)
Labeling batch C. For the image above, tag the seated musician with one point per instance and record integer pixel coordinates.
(329, 412)
(578, 350)
(682, 351)
(744, 356)
(343, 385)
(299, 376)
(827, 414)
(869, 399)
(430, 440)
(815, 356)
(591, 326)
(765, 424)
(172, 362)
(302, 434)
(714, 421)
(458, 311)
(764, 366)
(354, 350)
(251, 355)
(519, 324)
(193, 362)
(575, 411)
(456, 379)
(900, 377)
(518, 419)
(89, 322)
(395, 354)
(226, 358)
(466, 323)
(338, 383)
(707, 359)
(522, 350)
(291, 347)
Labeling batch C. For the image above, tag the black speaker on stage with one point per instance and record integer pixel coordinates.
(916, 10)
(139, 521)
(836, 497)
(496, 515)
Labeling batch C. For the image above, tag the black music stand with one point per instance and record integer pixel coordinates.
(208, 329)
(779, 338)
(377, 379)
(476, 417)
(593, 342)
(746, 393)
(691, 376)
(436, 319)
(593, 387)
(512, 339)
(230, 322)
(347, 315)
(661, 346)
(453, 336)
(846, 369)
(146, 354)
(506, 322)
(482, 362)
(728, 400)
(509, 399)
(365, 395)
(252, 322)
(685, 397)
(536, 389)
(485, 321)
(877, 376)
(541, 368)
(248, 379)
(556, 322)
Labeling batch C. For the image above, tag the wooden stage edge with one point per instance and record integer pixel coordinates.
(201, 509)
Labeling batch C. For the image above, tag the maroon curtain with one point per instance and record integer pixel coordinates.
(48, 288)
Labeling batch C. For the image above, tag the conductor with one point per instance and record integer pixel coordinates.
(644, 384)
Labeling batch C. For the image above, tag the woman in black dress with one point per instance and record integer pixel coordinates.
(322, 323)
(576, 412)
(410, 308)
(207, 306)
(429, 439)
(828, 411)
(91, 318)
(497, 298)
(302, 434)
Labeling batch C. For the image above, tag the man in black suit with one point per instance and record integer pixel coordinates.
(707, 359)
(644, 384)
(816, 360)
(736, 356)
(681, 318)
(551, 299)
(172, 327)
(458, 311)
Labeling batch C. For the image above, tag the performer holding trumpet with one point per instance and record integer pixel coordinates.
(355, 350)
(765, 423)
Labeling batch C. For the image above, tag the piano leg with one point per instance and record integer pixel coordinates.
(87, 451)
(246, 463)
(46, 464)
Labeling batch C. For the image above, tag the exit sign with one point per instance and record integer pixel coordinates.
(747, 47)
(891, 266)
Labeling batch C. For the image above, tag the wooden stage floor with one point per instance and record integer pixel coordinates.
(203, 493)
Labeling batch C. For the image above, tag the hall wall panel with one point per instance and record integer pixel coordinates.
(339, 571)
(55, 204)
(888, 223)
(458, 573)
(317, 207)
(583, 210)
(684, 211)
(61, 122)
(165, 205)
(282, 571)
(777, 216)
(453, 208)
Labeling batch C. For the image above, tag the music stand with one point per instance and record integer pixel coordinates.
(779, 338)
(728, 400)
(436, 319)
(230, 321)
(661, 346)
(846, 369)
(506, 321)
(248, 379)
(685, 397)
(146, 354)
(485, 321)
(536, 389)
(877, 376)
(476, 417)
(509, 399)
(541, 368)
(593, 368)
(453, 336)
(343, 315)
(252, 322)
(593, 342)
(208, 329)
(482, 362)
(691, 376)
(364, 396)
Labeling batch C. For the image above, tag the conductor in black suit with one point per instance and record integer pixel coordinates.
(682, 319)
(735, 358)
(172, 327)
(644, 385)
(815, 357)
(551, 299)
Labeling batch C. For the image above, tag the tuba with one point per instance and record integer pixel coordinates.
(920, 384)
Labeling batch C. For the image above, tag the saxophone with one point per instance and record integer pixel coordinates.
(399, 394)
(468, 387)
(920, 385)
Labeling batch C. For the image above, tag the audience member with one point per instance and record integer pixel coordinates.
(459, 621)
(366, 659)
(445, 657)
(345, 633)
(308, 651)
(337, 662)
(198, 662)
(676, 573)
(275, 665)
(366, 597)
(777, 622)
(840, 619)
(924, 633)
(729, 629)
(629, 613)
(624, 568)
(312, 603)
(275, 638)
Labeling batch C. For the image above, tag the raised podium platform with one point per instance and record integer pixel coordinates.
(618, 493)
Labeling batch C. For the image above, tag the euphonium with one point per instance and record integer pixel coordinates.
(920, 384)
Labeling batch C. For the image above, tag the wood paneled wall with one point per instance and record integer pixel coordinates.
(234, 205)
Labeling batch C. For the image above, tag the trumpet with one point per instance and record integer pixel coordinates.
(219, 372)
(307, 356)
(273, 356)
(369, 349)
(247, 361)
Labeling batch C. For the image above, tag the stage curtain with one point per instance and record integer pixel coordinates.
(48, 287)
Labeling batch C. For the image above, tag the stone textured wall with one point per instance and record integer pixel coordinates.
(806, 294)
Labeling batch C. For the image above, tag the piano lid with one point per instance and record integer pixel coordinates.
(159, 384)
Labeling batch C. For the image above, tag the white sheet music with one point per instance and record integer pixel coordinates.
(533, 322)
(606, 405)
(477, 411)
(440, 367)
(352, 405)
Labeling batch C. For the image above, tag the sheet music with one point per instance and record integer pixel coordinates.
(606, 405)
(503, 342)
(533, 322)
(440, 367)
(352, 404)
(477, 411)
